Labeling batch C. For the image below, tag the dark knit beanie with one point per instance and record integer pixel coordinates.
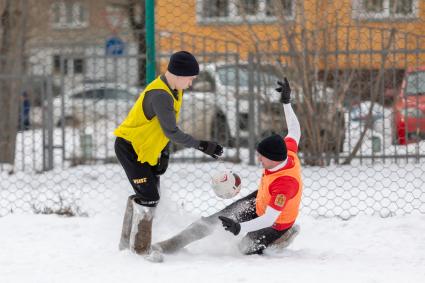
(183, 64)
(273, 147)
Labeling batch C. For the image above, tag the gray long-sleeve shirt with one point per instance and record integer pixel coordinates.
(159, 103)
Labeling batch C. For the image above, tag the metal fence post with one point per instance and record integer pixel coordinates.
(251, 111)
(238, 110)
(150, 40)
(48, 127)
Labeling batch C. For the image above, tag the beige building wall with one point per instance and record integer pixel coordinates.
(73, 51)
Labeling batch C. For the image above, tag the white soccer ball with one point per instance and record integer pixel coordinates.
(226, 184)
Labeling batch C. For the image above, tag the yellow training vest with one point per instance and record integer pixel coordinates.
(146, 136)
(290, 212)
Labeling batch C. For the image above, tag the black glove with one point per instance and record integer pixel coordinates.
(285, 91)
(211, 148)
(230, 225)
(162, 165)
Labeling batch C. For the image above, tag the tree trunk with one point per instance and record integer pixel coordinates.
(138, 27)
(142, 59)
(11, 69)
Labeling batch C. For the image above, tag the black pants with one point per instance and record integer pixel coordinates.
(244, 210)
(141, 175)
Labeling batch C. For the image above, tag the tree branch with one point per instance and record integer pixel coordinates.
(375, 92)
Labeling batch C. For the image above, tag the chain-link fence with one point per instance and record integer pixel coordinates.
(356, 69)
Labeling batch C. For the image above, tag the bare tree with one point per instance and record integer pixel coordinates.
(12, 41)
(377, 87)
(136, 16)
(314, 52)
(311, 46)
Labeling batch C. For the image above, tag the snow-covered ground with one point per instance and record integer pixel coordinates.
(359, 223)
(49, 248)
(385, 242)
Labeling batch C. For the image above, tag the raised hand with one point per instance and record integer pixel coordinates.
(285, 91)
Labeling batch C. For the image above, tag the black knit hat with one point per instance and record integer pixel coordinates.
(183, 64)
(273, 147)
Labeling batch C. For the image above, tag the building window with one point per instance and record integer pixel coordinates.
(69, 14)
(373, 6)
(402, 7)
(286, 6)
(78, 66)
(215, 8)
(248, 7)
(59, 65)
(63, 65)
(116, 17)
(384, 9)
(237, 11)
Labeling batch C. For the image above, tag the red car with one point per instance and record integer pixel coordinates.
(409, 108)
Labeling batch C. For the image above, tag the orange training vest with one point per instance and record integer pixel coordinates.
(291, 207)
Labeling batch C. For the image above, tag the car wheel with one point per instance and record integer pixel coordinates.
(267, 133)
(394, 136)
(397, 133)
(330, 139)
(68, 121)
(220, 131)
